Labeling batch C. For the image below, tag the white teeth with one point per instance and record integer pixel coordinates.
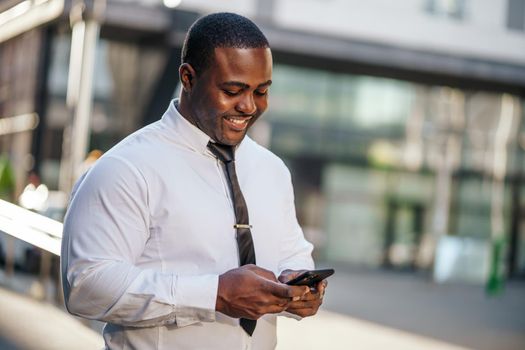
(238, 121)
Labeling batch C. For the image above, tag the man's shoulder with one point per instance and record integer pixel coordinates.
(134, 152)
(143, 145)
(141, 137)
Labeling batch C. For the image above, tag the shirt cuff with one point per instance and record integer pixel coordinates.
(195, 299)
(290, 315)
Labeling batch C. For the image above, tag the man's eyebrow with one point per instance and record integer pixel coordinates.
(244, 85)
(236, 84)
(267, 83)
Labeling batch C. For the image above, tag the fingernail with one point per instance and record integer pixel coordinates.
(296, 298)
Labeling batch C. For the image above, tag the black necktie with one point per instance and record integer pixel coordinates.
(244, 235)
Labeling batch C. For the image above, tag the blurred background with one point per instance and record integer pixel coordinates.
(402, 123)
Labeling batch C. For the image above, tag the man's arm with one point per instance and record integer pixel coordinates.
(295, 250)
(296, 253)
(105, 232)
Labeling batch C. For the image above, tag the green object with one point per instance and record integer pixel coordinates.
(7, 179)
(496, 280)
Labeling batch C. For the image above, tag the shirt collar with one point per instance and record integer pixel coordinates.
(185, 132)
(189, 134)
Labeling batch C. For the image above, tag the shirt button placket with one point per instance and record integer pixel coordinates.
(246, 341)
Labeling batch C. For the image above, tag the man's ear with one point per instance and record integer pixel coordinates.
(187, 76)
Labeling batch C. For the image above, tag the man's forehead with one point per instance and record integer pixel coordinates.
(246, 60)
(242, 64)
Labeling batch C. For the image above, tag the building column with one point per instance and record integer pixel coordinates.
(85, 19)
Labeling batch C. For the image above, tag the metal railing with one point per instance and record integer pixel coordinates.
(31, 227)
(37, 230)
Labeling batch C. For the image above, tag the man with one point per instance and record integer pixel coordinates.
(152, 237)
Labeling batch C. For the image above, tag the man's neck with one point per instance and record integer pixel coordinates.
(184, 110)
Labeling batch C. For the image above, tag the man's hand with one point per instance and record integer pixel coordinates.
(251, 292)
(310, 302)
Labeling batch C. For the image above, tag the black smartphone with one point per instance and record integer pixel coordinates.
(311, 278)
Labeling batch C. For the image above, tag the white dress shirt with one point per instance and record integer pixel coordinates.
(150, 228)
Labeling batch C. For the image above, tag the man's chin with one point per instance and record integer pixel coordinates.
(232, 140)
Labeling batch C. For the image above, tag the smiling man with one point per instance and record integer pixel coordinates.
(176, 236)
(230, 96)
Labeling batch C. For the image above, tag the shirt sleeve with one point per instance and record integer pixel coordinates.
(105, 232)
(295, 250)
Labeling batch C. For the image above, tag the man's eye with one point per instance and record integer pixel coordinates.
(261, 93)
(231, 93)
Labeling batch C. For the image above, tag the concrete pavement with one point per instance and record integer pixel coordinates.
(28, 324)
(410, 302)
(362, 310)
(333, 331)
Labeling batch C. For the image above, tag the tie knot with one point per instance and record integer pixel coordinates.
(223, 152)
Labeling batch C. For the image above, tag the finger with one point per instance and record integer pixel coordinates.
(275, 309)
(299, 292)
(323, 284)
(288, 275)
(303, 312)
(304, 304)
(285, 276)
(311, 296)
(321, 292)
(320, 286)
(262, 272)
(287, 292)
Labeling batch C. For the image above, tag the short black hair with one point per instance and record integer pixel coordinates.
(223, 29)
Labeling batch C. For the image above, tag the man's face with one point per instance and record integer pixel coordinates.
(232, 93)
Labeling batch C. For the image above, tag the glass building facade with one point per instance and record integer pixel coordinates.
(369, 155)
(382, 167)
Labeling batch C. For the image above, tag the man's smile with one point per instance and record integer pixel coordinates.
(237, 123)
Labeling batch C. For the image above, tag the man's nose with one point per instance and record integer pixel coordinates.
(246, 105)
